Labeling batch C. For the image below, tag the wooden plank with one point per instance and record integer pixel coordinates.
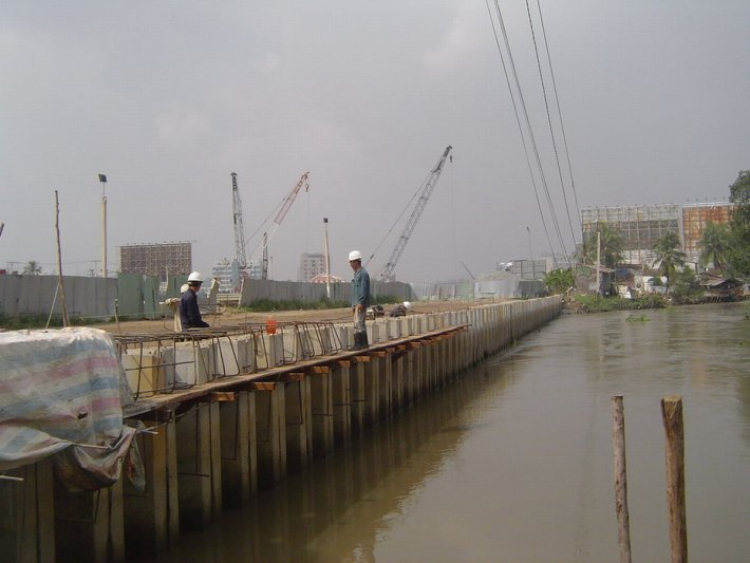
(223, 396)
(319, 369)
(263, 386)
(294, 376)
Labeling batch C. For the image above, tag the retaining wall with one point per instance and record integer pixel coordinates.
(256, 407)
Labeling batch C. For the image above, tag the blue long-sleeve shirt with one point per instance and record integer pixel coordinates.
(190, 314)
(361, 288)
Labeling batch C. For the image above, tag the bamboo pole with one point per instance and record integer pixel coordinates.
(621, 479)
(674, 449)
(66, 321)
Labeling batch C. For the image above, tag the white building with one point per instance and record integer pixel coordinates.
(311, 265)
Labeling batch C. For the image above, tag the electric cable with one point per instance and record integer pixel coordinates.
(532, 138)
(520, 129)
(559, 112)
(549, 120)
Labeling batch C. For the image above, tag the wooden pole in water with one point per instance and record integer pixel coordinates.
(621, 480)
(674, 449)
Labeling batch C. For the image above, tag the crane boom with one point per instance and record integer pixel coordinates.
(387, 273)
(239, 230)
(262, 249)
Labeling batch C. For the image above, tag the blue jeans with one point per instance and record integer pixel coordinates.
(359, 320)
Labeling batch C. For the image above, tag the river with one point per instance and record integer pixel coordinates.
(513, 460)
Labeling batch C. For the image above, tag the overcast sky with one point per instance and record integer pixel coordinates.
(168, 98)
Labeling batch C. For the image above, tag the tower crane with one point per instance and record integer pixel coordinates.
(262, 248)
(386, 273)
(239, 231)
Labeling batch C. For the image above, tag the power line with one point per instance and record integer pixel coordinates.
(559, 112)
(520, 129)
(549, 120)
(529, 129)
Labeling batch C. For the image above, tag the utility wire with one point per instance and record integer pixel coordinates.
(559, 112)
(549, 120)
(532, 139)
(520, 129)
(407, 206)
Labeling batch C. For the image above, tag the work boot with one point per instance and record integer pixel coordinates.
(357, 341)
(364, 343)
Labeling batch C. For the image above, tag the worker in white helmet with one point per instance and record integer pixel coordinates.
(360, 299)
(190, 314)
(400, 310)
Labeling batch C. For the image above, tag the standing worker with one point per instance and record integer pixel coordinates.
(190, 314)
(360, 299)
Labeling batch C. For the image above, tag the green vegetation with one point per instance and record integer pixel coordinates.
(686, 288)
(640, 318)
(32, 268)
(715, 245)
(40, 321)
(594, 304)
(560, 280)
(668, 256)
(610, 242)
(739, 252)
(266, 305)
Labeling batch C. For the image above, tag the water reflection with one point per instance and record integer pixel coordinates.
(512, 462)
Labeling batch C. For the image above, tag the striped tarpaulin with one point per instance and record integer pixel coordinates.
(61, 388)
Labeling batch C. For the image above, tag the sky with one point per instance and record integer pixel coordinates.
(168, 98)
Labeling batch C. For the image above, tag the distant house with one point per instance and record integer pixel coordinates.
(585, 279)
(721, 288)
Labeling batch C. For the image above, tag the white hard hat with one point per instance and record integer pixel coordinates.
(355, 255)
(407, 304)
(196, 277)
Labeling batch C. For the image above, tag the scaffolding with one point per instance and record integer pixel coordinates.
(160, 260)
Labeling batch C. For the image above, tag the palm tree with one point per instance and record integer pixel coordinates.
(611, 245)
(715, 245)
(32, 268)
(668, 255)
(560, 280)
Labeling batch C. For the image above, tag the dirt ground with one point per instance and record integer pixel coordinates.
(230, 317)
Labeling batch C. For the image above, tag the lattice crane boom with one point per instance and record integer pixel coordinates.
(386, 273)
(239, 230)
(262, 249)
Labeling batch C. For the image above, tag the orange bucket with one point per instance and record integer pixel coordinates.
(271, 326)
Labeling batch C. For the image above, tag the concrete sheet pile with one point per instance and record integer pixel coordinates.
(61, 395)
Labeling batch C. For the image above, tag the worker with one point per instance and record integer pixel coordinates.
(360, 299)
(190, 314)
(400, 310)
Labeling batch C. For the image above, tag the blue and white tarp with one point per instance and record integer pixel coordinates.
(62, 393)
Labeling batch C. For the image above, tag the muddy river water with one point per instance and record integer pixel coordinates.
(513, 461)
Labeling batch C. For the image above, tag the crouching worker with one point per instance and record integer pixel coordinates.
(190, 314)
(400, 310)
(360, 299)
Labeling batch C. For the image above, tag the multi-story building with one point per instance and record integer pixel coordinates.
(695, 217)
(311, 265)
(161, 260)
(641, 226)
(229, 275)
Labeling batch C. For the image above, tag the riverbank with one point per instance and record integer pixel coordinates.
(583, 304)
